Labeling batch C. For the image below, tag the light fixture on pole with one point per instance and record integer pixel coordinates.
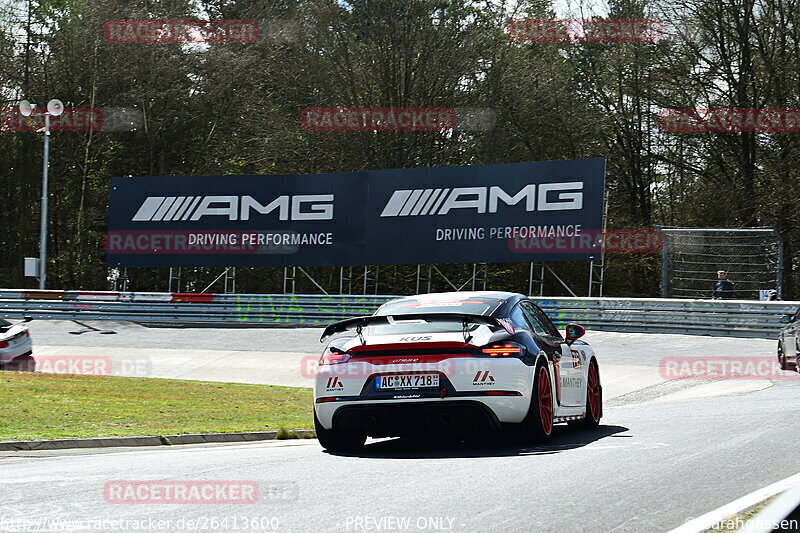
(54, 108)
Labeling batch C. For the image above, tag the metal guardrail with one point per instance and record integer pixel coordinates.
(188, 308)
(711, 317)
(734, 318)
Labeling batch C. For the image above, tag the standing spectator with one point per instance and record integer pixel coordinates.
(773, 296)
(723, 290)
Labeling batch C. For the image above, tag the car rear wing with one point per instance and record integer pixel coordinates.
(359, 323)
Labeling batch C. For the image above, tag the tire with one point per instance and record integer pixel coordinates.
(781, 356)
(797, 356)
(594, 397)
(338, 441)
(538, 424)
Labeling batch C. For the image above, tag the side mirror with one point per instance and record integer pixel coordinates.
(786, 319)
(27, 318)
(574, 332)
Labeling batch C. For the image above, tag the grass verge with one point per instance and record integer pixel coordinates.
(737, 521)
(36, 406)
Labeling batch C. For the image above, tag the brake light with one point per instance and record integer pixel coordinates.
(334, 356)
(328, 399)
(3, 344)
(506, 349)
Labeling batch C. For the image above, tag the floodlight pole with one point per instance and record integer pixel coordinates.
(43, 235)
(55, 108)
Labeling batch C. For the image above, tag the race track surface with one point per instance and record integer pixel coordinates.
(667, 450)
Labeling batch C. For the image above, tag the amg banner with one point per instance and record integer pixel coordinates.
(543, 211)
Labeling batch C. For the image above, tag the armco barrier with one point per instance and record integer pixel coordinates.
(735, 318)
(187, 308)
(738, 318)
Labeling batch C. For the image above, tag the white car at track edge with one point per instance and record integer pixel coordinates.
(459, 362)
(15, 341)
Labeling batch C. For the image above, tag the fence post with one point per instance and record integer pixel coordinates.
(664, 268)
(780, 263)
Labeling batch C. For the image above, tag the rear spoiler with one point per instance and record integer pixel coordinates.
(359, 323)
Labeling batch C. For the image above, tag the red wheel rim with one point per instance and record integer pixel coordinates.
(545, 401)
(594, 393)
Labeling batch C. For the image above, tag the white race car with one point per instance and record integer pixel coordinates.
(456, 363)
(15, 341)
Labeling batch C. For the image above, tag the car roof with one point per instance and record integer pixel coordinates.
(491, 301)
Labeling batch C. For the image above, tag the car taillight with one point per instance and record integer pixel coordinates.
(503, 349)
(334, 356)
(27, 333)
(3, 344)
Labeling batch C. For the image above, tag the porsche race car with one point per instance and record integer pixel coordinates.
(15, 341)
(455, 363)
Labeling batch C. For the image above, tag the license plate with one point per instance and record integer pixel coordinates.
(406, 381)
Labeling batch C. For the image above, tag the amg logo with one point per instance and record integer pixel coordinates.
(172, 208)
(564, 196)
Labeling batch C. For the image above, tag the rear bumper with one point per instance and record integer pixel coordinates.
(18, 350)
(414, 418)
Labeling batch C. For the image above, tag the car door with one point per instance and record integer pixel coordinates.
(570, 390)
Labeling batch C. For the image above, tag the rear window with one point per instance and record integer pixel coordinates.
(468, 305)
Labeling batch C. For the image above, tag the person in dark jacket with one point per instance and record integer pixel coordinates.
(723, 290)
